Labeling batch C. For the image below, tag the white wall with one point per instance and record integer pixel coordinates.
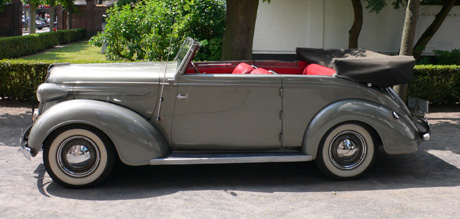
(283, 25)
(280, 26)
(448, 35)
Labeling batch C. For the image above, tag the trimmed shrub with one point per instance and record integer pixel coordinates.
(440, 84)
(19, 79)
(13, 47)
(447, 58)
(68, 36)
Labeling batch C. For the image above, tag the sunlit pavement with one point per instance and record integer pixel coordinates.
(425, 184)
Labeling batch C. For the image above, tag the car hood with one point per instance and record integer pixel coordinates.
(112, 72)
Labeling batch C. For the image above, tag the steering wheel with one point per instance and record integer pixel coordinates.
(196, 69)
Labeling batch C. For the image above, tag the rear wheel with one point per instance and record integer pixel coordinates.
(78, 157)
(346, 152)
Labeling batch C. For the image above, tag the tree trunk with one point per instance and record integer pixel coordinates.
(353, 33)
(239, 29)
(32, 18)
(431, 30)
(52, 17)
(69, 20)
(408, 36)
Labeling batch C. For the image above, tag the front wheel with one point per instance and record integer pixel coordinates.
(78, 157)
(346, 152)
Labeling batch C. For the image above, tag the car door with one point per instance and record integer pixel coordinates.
(227, 112)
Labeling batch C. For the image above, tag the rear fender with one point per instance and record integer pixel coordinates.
(398, 135)
(135, 139)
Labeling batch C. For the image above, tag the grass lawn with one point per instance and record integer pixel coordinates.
(79, 52)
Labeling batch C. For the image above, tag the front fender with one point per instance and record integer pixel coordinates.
(398, 135)
(135, 139)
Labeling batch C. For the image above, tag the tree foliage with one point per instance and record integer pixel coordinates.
(3, 3)
(377, 5)
(143, 30)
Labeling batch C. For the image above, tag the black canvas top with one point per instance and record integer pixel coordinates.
(362, 65)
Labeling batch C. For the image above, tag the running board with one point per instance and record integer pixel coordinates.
(223, 158)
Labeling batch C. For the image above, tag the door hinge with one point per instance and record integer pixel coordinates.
(281, 137)
(281, 92)
(281, 114)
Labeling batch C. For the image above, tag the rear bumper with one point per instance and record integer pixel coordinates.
(423, 128)
(24, 140)
(419, 109)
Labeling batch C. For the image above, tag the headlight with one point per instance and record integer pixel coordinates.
(48, 92)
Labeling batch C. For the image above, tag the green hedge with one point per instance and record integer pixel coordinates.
(19, 79)
(13, 47)
(440, 84)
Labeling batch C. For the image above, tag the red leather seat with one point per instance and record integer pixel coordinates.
(243, 68)
(261, 71)
(315, 69)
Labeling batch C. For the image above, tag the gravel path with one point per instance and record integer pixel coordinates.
(425, 184)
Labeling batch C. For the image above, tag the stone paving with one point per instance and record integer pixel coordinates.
(425, 184)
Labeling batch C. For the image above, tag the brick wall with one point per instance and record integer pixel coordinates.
(11, 19)
(88, 16)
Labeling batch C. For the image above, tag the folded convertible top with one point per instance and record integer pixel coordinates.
(362, 65)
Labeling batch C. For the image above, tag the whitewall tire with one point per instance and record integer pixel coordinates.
(78, 157)
(346, 152)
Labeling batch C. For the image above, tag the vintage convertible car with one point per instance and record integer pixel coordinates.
(182, 112)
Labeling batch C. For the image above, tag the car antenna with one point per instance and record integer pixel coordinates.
(164, 81)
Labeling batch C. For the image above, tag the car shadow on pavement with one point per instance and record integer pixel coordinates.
(417, 170)
(10, 127)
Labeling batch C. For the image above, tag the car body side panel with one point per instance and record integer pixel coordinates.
(309, 113)
(135, 139)
(305, 96)
(226, 112)
(397, 134)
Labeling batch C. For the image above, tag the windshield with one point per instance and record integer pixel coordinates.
(186, 51)
(186, 45)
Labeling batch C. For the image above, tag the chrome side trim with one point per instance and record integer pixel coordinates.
(222, 158)
(109, 82)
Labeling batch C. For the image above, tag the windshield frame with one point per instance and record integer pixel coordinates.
(185, 54)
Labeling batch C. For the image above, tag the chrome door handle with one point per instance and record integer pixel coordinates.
(180, 96)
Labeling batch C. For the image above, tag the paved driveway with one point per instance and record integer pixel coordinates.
(423, 184)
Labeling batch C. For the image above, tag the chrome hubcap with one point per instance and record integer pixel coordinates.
(347, 150)
(78, 156)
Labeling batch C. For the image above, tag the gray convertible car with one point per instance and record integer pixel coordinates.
(331, 106)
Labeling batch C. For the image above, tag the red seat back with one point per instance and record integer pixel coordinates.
(243, 68)
(315, 69)
(260, 71)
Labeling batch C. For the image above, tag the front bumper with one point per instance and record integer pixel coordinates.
(24, 140)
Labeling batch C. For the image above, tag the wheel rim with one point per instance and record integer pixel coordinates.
(347, 150)
(78, 156)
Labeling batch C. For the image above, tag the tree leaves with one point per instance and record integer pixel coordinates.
(142, 31)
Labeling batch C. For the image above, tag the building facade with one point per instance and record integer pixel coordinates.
(282, 26)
